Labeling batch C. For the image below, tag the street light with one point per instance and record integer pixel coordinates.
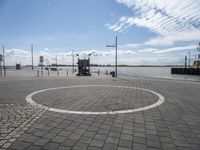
(198, 47)
(185, 61)
(4, 64)
(115, 45)
(195, 57)
(89, 61)
(78, 63)
(32, 55)
(189, 58)
(73, 61)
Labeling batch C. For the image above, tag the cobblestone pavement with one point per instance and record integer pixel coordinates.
(174, 125)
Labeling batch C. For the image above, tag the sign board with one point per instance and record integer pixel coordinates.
(1, 57)
(41, 59)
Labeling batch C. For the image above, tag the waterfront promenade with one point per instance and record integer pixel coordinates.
(98, 112)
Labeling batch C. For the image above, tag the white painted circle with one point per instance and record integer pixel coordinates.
(159, 102)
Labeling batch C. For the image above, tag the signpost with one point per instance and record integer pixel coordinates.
(198, 49)
(1, 59)
(115, 45)
(41, 63)
(4, 64)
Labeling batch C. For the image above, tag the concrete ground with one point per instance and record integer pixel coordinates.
(175, 124)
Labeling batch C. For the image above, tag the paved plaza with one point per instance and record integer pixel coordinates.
(99, 113)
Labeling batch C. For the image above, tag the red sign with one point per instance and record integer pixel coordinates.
(41, 59)
(1, 57)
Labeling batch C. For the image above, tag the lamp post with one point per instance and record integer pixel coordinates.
(115, 45)
(198, 49)
(185, 61)
(32, 54)
(195, 57)
(73, 61)
(89, 61)
(78, 64)
(189, 58)
(4, 64)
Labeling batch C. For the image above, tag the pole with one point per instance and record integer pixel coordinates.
(0, 68)
(89, 61)
(185, 61)
(4, 65)
(116, 58)
(189, 58)
(195, 57)
(56, 63)
(32, 55)
(73, 61)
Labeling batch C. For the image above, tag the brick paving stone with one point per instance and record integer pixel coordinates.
(123, 148)
(80, 146)
(168, 146)
(75, 136)
(97, 143)
(139, 140)
(69, 143)
(152, 143)
(33, 147)
(41, 142)
(89, 134)
(63, 148)
(125, 143)
(172, 125)
(109, 146)
(112, 140)
(51, 146)
(181, 143)
(59, 139)
(126, 137)
(93, 148)
(20, 145)
(139, 134)
(103, 131)
(139, 146)
(65, 133)
(85, 139)
(39, 133)
(100, 137)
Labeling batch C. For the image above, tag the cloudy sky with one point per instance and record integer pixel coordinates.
(150, 32)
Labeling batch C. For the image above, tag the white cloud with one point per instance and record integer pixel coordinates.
(171, 39)
(24, 56)
(166, 50)
(164, 17)
(128, 46)
(148, 50)
(189, 48)
(17, 53)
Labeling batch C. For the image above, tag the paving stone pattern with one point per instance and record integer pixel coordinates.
(174, 125)
(15, 120)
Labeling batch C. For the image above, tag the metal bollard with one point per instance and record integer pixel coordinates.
(57, 72)
(41, 71)
(48, 72)
(98, 72)
(67, 73)
(106, 72)
(38, 73)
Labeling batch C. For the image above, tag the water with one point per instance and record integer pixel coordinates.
(153, 72)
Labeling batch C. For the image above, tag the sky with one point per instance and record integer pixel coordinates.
(150, 32)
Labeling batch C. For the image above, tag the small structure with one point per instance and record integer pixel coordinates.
(18, 66)
(196, 64)
(83, 67)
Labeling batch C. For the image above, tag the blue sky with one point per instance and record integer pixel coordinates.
(149, 31)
